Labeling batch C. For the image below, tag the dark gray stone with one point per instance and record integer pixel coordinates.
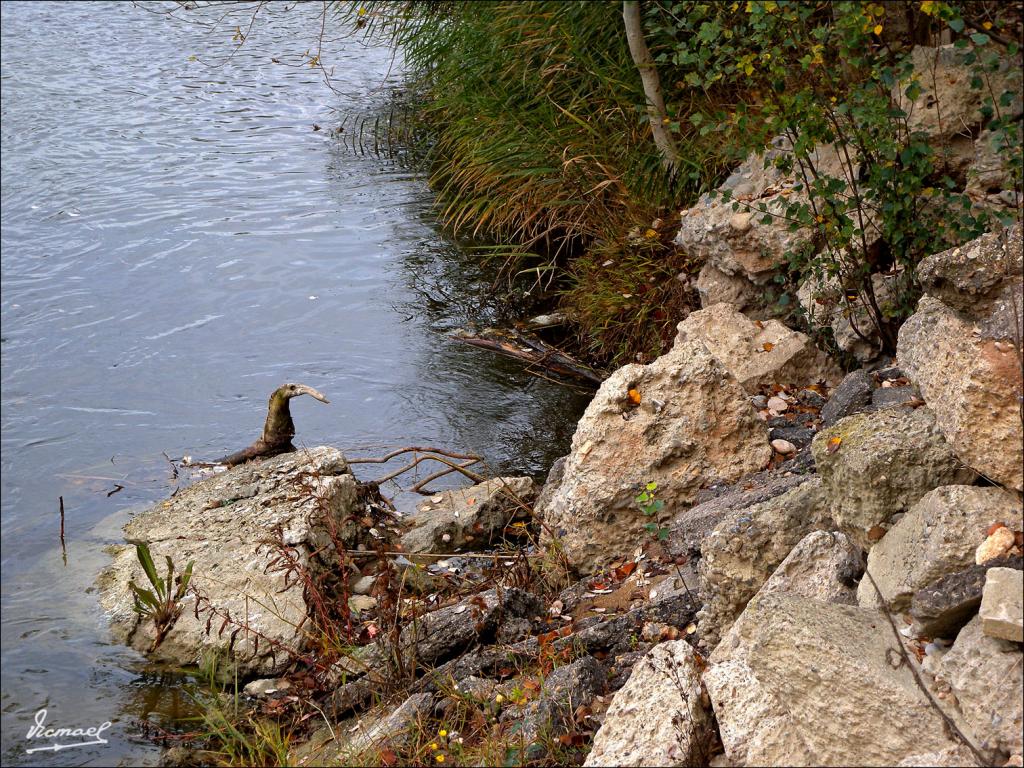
(889, 374)
(688, 528)
(891, 397)
(798, 436)
(565, 689)
(440, 635)
(851, 396)
(811, 398)
(945, 606)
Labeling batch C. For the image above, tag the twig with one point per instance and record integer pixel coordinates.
(950, 725)
(479, 555)
(411, 449)
(63, 548)
(418, 488)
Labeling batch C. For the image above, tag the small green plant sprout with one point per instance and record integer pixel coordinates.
(651, 506)
(163, 602)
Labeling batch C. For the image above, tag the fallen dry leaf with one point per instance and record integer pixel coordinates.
(768, 346)
(634, 396)
(833, 444)
(994, 527)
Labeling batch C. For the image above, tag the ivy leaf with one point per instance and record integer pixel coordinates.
(957, 25)
(980, 38)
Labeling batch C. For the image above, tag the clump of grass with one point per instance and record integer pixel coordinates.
(628, 298)
(540, 143)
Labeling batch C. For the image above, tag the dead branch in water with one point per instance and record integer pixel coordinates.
(525, 348)
(431, 454)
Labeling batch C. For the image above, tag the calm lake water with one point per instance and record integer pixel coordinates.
(178, 240)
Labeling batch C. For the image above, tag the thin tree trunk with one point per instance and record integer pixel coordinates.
(652, 84)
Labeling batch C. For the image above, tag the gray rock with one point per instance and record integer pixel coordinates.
(883, 463)
(223, 523)
(811, 398)
(891, 397)
(943, 607)
(746, 548)
(395, 730)
(824, 566)
(439, 635)
(801, 682)
(971, 277)
(468, 517)
(551, 483)
(1002, 604)
(798, 436)
(851, 396)
(689, 528)
(566, 688)
(890, 373)
(353, 695)
(716, 287)
(986, 676)
(657, 717)
(937, 537)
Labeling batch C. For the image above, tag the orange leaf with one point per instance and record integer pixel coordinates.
(388, 757)
(833, 444)
(994, 527)
(768, 346)
(624, 570)
(634, 396)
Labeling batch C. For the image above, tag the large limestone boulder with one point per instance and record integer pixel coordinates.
(758, 353)
(657, 717)
(693, 426)
(961, 348)
(986, 675)
(948, 105)
(936, 538)
(801, 682)
(468, 518)
(732, 236)
(233, 525)
(979, 279)
(824, 566)
(877, 465)
(747, 546)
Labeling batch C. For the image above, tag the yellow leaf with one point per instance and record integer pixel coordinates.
(833, 444)
(650, 234)
(987, 25)
(878, 29)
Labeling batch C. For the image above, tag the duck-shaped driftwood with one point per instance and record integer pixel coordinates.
(279, 428)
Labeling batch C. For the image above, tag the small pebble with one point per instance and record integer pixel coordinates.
(759, 401)
(783, 446)
(777, 404)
